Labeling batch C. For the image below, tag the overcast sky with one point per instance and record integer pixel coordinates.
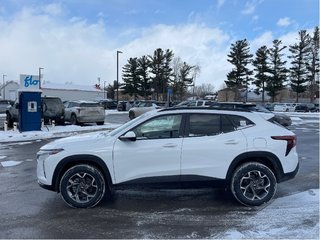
(76, 40)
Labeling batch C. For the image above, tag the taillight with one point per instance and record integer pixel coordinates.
(291, 141)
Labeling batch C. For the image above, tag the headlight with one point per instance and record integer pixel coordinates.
(48, 152)
(42, 155)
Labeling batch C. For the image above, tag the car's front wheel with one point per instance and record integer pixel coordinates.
(253, 184)
(131, 115)
(82, 186)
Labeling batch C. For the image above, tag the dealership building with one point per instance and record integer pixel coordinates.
(66, 92)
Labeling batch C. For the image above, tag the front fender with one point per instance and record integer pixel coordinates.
(70, 161)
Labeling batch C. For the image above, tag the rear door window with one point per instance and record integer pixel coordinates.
(204, 125)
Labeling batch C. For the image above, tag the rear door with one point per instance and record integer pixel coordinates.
(211, 143)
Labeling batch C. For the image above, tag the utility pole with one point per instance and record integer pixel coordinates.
(118, 76)
(4, 87)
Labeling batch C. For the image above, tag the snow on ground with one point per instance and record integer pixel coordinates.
(295, 216)
(54, 132)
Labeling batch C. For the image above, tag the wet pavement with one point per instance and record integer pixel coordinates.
(28, 211)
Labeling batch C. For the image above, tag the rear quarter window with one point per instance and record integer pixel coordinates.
(240, 122)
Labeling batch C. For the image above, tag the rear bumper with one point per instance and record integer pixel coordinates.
(289, 175)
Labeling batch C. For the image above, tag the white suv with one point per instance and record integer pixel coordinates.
(240, 149)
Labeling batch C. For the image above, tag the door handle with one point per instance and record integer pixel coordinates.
(231, 142)
(169, 145)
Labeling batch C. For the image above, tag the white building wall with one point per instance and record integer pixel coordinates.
(68, 95)
(10, 91)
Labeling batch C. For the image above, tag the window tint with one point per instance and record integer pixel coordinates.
(89, 105)
(161, 127)
(199, 103)
(226, 125)
(204, 125)
(240, 122)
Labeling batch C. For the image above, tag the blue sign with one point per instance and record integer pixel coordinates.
(28, 81)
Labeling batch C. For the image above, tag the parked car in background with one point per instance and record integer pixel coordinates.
(194, 103)
(143, 107)
(239, 150)
(280, 118)
(79, 112)
(4, 104)
(284, 107)
(269, 106)
(108, 104)
(302, 108)
(306, 107)
(52, 109)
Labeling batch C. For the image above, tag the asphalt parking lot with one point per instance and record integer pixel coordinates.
(28, 211)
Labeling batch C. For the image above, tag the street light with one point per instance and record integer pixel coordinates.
(4, 87)
(118, 76)
(40, 68)
(104, 90)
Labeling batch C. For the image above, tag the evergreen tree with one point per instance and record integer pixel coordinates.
(240, 57)
(144, 87)
(131, 78)
(182, 79)
(167, 72)
(261, 68)
(160, 68)
(277, 69)
(298, 72)
(313, 64)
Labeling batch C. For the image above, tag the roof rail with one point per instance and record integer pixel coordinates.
(205, 108)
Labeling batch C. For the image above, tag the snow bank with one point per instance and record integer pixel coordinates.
(295, 216)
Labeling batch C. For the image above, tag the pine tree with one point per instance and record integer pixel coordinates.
(240, 57)
(277, 70)
(131, 78)
(160, 68)
(144, 87)
(182, 78)
(313, 64)
(298, 72)
(261, 68)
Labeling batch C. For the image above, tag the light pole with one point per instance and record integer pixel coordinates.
(118, 76)
(4, 86)
(104, 90)
(40, 68)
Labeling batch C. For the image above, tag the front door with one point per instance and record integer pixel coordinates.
(155, 155)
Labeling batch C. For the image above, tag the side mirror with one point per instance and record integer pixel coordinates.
(129, 136)
(16, 105)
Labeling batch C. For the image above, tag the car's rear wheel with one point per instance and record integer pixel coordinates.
(73, 119)
(100, 123)
(82, 186)
(253, 184)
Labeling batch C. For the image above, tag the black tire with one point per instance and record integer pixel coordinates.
(253, 184)
(100, 123)
(73, 119)
(82, 186)
(131, 115)
(9, 120)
